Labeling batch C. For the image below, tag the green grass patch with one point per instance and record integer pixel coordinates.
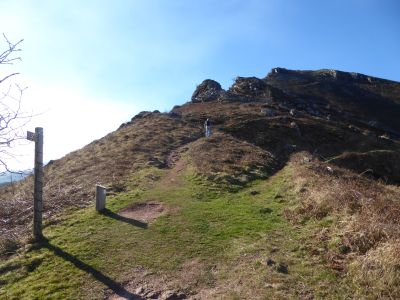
(87, 253)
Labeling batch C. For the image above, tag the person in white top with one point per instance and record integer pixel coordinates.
(207, 126)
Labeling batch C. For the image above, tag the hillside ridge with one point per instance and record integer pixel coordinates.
(312, 151)
(353, 97)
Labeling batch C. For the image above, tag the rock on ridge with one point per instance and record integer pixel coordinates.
(244, 89)
(323, 75)
(208, 90)
(252, 86)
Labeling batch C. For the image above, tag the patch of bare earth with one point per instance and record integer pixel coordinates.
(145, 212)
(149, 285)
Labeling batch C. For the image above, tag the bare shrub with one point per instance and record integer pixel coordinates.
(9, 245)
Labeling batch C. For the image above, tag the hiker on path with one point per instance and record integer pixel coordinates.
(207, 126)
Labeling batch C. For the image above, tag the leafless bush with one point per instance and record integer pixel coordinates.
(12, 118)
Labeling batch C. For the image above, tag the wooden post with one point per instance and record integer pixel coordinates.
(38, 178)
(38, 188)
(100, 198)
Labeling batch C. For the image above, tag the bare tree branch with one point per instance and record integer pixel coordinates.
(12, 118)
(8, 76)
(12, 48)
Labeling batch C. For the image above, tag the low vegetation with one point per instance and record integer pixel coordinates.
(365, 224)
(308, 231)
(276, 204)
(70, 182)
(191, 249)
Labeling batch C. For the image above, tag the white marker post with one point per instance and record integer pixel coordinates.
(37, 137)
(100, 198)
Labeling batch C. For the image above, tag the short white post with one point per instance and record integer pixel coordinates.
(100, 198)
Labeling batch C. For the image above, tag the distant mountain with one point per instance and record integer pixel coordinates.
(8, 177)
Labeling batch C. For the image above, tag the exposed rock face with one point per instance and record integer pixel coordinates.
(244, 89)
(249, 86)
(329, 94)
(338, 95)
(249, 89)
(322, 75)
(208, 90)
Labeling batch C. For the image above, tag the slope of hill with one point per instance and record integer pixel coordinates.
(293, 196)
(351, 96)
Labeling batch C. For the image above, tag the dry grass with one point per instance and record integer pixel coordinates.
(70, 181)
(369, 227)
(246, 145)
(221, 112)
(378, 163)
(224, 158)
(148, 140)
(377, 274)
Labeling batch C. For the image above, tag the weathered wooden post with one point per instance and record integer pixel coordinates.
(38, 178)
(100, 198)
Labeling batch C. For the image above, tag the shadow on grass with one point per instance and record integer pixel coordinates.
(116, 287)
(115, 216)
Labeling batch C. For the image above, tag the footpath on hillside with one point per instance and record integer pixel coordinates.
(176, 235)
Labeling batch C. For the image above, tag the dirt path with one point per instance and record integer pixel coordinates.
(177, 165)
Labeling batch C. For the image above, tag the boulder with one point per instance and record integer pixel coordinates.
(208, 90)
(249, 86)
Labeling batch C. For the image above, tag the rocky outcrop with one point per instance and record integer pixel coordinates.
(248, 89)
(244, 89)
(327, 75)
(338, 95)
(249, 86)
(329, 94)
(208, 90)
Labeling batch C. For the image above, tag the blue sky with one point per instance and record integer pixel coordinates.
(91, 65)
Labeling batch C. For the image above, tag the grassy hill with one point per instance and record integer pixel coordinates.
(281, 202)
